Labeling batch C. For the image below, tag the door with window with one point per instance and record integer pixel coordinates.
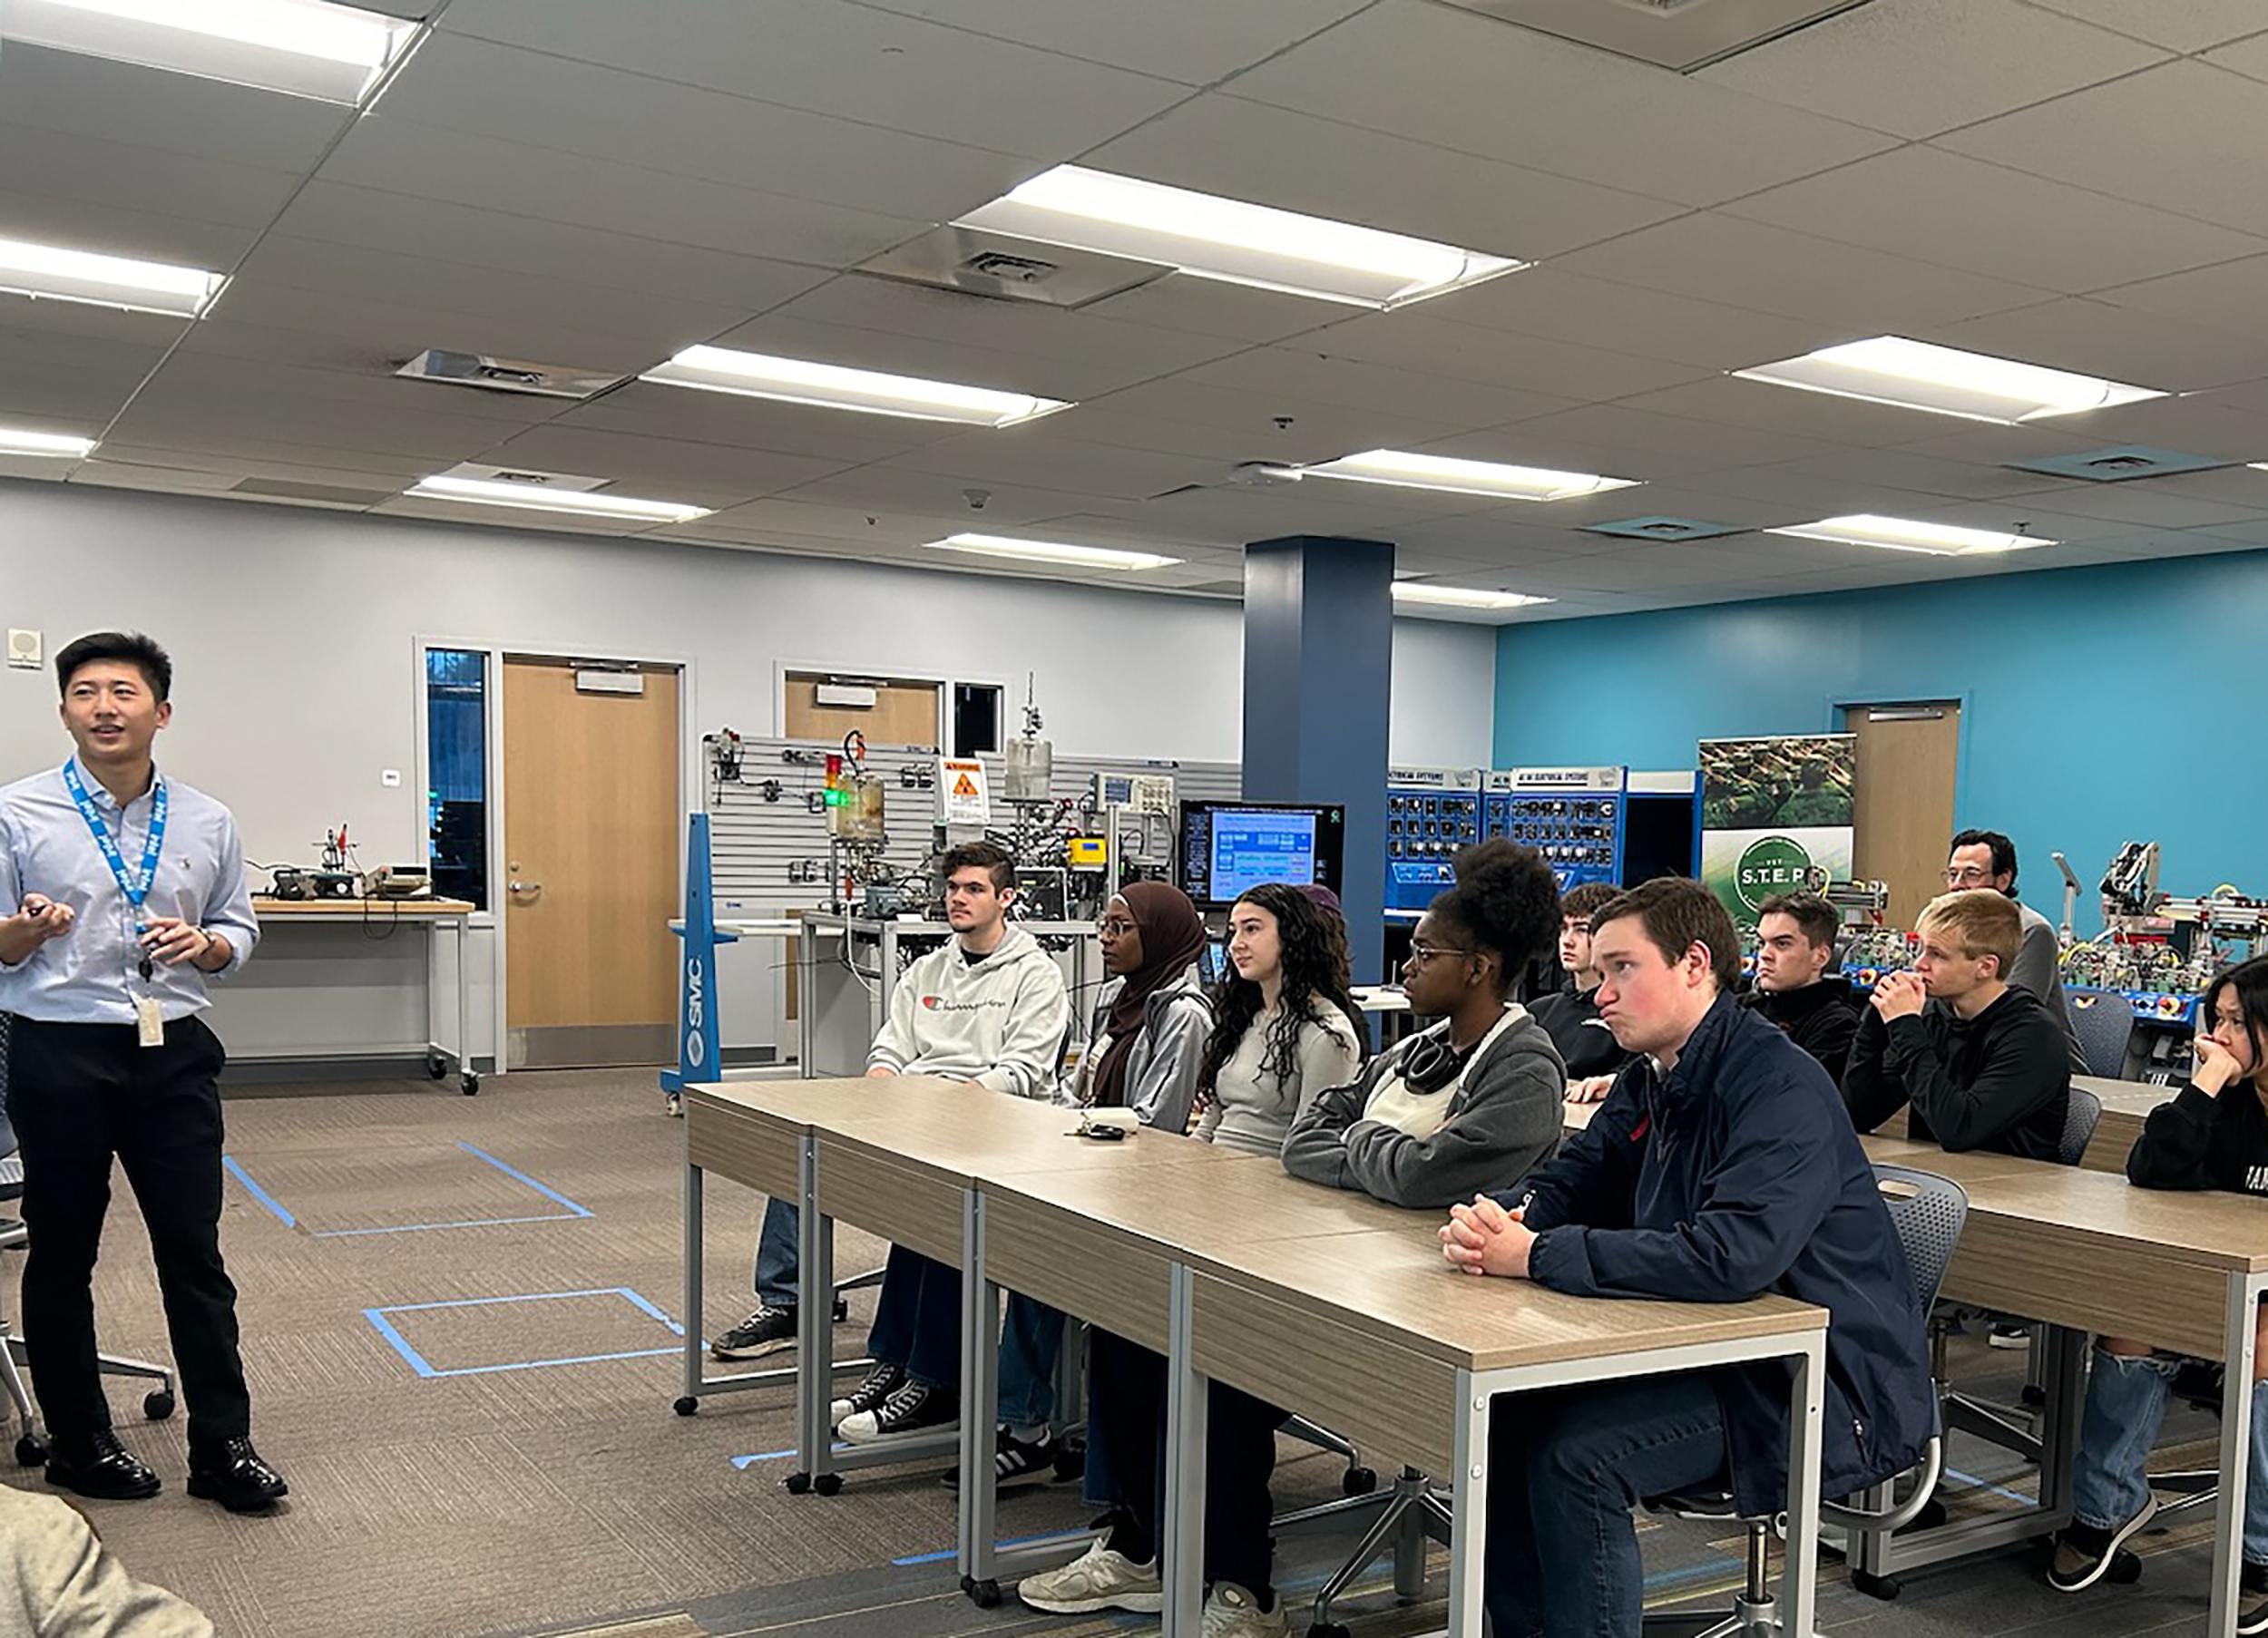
(1909, 752)
(589, 879)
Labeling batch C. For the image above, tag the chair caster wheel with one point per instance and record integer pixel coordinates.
(685, 1405)
(1327, 1629)
(469, 1084)
(984, 1594)
(1875, 1586)
(842, 1310)
(827, 1484)
(2035, 1398)
(30, 1452)
(435, 1066)
(158, 1406)
(1359, 1481)
(673, 1105)
(798, 1483)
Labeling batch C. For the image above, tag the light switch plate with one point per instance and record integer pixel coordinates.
(391, 778)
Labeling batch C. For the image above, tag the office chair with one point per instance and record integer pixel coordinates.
(2104, 1024)
(1928, 1212)
(31, 1445)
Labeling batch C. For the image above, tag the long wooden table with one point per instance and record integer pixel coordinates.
(1328, 1303)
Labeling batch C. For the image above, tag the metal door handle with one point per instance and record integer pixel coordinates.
(526, 887)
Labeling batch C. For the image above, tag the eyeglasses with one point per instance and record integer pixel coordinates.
(1114, 927)
(1422, 953)
(1966, 875)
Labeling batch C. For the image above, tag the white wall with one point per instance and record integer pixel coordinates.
(294, 634)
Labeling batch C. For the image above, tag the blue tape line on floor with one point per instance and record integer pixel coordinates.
(546, 1191)
(745, 1462)
(1985, 1484)
(257, 1193)
(419, 1228)
(423, 1368)
(1020, 1541)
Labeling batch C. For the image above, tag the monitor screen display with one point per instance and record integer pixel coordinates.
(1228, 848)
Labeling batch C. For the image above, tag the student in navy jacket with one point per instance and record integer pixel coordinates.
(1722, 1166)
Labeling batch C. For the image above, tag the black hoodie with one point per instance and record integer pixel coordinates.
(1821, 1018)
(2197, 1140)
(2000, 1081)
(1571, 1016)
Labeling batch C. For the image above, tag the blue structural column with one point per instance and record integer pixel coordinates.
(1318, 659)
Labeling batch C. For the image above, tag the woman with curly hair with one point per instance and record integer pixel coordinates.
(1284, 1023)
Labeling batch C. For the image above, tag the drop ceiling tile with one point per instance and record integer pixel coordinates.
(1960, 213)
(2180, 137)
(486, 173)
(851, 62)
(724, 418)
(122, 176)
(658, 468)
(1299, 373)
(1415, 340)
(1652, 324)
(504, 517)
(884, 490)
(90, 97)
(2246, 57)
(2182, 25)
(1212, 306)
(79, 224)
(2231, 297)
(221, 379)
(2098, 338)
(2148, 505)
(1924, 474)
(1195, 46)
(1713, 257)
(1483, 87)
(208, 442)
(1039, 460)
(1923, 66)
(393, 224)
(1296, 160)
(71, 399)
(627, 118)
(1731, 401)
(384, 473)
(175, 416)
(1686, 424)
(1324, 431)
(389, 333)
(2201, 425)
(1545, 441)
(1166, 435)
(300, 264)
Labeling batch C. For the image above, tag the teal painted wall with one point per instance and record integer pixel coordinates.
(2099, 704)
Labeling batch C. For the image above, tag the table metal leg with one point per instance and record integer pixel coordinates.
(2236, 1443)
(1469, 1511)
(980, 1392)
(1806, 1416)
(464, 999)
(815, 1321)
(1181, 1544)
(693, 1256)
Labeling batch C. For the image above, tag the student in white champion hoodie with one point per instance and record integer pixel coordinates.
(988, 1009)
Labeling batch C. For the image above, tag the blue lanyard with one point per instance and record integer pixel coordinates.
(135, 888)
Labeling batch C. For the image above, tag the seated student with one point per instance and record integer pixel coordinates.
(2213, 1134)
(1795, 946)
(1285, 1024)
(1572, 1015)
(1486, 1107)
(1143, 1053)
(1719, 1168)
(987, 1010)
(58, 1580)
(1981, 1062)
(1986, 861)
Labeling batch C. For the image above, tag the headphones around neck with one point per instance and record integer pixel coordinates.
(1430, 1063)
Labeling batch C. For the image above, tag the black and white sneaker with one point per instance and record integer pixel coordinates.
(1016, 1464)
(914, 1408)
(767, 1331)
(2009, 1333)
(2251, 1599)
(881, 1382)
(2084, 1555)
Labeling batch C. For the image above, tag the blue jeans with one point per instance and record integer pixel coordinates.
(1031, 1341)
(1566, 1465)
(2126, 1402)
(777, 1256)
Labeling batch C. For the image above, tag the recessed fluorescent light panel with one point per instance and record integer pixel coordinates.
(306, 48)
(109, 282)
(1226, 238)
(1462, 597)
(15, 441)
(1946, 381)
(1464, 477)
(835, 386)
(1904, 534)
(1049, 551)
(623, 509)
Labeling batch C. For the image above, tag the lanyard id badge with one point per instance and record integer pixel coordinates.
(149, 1023)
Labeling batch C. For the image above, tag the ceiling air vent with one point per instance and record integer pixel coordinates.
(486, 474)
(2121, 463)
(1683, 34)
(505, 374)
(980, 262)
(1665, 529)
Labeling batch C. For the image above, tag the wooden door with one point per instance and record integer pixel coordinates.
(592, 823)
(1903, 816)
(903, 713)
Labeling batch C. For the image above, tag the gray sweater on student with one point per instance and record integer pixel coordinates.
(1503, 1119)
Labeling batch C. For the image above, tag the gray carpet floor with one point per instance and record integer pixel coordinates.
(494, 1453)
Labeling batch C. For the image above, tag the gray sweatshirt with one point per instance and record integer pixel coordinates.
(2039, 969)
(1254, 1110)
(57, 1581)
(1168, 1051)
(1502, 1119)
(1000, 1022)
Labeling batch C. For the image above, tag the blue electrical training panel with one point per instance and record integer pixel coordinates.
(1572, 816)
(1430, 812)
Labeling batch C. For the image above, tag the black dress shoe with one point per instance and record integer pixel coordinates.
(98, 1466)
(232, 1473)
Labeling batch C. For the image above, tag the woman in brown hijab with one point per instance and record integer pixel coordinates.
(1147, 1041)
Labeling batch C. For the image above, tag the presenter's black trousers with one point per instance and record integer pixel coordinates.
(78, 1095)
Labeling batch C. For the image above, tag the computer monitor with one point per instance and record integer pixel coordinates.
(1227, 848)
(1212, 962)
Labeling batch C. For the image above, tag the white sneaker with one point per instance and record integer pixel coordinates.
(1230, 1611)
(1100, 1579)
